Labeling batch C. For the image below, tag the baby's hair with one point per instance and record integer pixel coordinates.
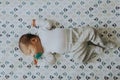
(25, 38)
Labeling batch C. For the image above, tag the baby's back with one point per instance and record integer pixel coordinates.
(53, 40)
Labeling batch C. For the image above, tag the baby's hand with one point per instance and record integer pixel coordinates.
(33, 22)
(45, 24)
(35, 62)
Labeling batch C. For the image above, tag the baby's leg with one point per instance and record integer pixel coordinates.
(80, 48)
(81, 51)
(96, 40)
(89, 34)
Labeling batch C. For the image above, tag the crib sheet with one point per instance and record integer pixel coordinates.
(15, 20)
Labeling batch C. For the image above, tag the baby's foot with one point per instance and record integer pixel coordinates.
(111, 45)
(99, 50)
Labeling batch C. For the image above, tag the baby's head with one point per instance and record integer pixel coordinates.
(30, 44)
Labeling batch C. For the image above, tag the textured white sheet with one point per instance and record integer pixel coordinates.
(15, 19)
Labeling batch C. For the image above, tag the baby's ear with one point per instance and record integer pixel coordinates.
(33, 40)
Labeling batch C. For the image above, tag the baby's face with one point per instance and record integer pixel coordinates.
(28, 50)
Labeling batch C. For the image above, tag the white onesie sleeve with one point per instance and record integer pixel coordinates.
(44, 24)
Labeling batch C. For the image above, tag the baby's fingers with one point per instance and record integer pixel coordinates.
(35, 61)
(33, 22)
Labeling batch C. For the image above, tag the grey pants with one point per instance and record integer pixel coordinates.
(78, 42)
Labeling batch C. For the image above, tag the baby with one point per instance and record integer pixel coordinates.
(53, 39)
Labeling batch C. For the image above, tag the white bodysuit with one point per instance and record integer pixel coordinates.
(70, 40)
(53, 40)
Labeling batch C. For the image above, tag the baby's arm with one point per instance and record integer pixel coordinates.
(54, 24)
(46, 24)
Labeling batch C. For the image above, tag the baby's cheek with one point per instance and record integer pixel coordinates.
(26, 52)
